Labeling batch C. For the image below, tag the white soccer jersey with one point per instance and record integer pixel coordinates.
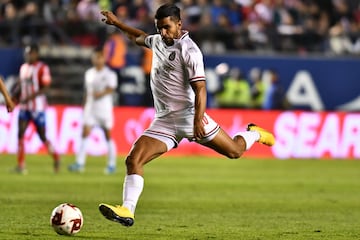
(96, 81)
(173, 69)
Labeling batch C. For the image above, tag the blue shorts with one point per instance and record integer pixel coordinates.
(38, 118)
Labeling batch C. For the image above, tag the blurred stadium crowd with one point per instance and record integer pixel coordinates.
(218, 26)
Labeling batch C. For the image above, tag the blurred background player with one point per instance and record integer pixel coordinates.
(115, 50)
(100, 84)
(35, 79)
(10, 105)
(257, 89)
(236, 91)
(275, 97)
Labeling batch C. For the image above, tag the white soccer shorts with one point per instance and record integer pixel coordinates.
(171, 130)
(99, 119)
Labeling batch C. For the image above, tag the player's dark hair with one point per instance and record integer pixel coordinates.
(168, 10)
(33, 47)
(98, 49)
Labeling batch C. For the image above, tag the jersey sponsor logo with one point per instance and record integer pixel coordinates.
(172, 56)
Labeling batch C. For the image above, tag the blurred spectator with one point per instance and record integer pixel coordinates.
(10, 25)
(191, 14)
(217, 9)
(146, 67)
(224, 32)
(234, 14)
(105, 4)
(122, 12)
(88, 10)
(136, 7)
(143, 20)
(258, 23)
(32, 25)
(345, 32)
(275, 98)
(204, 5)
(115, 50)
(75, 28)
(257, 88)
(89, 14)
(53, 11)
(54, 15)
(297, 26)
(206, 36)
(314, 26)
(236, 91)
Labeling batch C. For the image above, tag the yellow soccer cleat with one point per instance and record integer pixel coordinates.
(266, 137)
(117, 214)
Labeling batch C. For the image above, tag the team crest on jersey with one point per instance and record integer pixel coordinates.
(172, 56)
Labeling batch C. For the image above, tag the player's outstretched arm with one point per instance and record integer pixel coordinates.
(10, 105)
(135, 35)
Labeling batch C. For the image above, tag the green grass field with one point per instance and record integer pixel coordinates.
(190, 198)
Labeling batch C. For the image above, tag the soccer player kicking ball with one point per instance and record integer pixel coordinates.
(179, 89)
(100, 84)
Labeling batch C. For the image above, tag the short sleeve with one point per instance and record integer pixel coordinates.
(149, 39)
(44, 75)
(112, 80)
(87, 83)
(194, 63)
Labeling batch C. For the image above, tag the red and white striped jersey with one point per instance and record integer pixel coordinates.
(32, 78)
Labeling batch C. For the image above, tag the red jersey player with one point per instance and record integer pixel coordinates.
(34, 80)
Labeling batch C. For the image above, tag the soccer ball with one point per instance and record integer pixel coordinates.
(66, 219)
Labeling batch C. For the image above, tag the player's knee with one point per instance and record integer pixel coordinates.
(42, 137)
(131, 163)
(21, 133)
(234, 154)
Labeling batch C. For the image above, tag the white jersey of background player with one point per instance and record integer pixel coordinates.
(100, 83)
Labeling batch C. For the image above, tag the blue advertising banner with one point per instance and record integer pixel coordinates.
(10, 61)
(316, 83)
(311, 83)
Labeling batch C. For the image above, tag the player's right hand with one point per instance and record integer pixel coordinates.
(110, 18)
(199, 130)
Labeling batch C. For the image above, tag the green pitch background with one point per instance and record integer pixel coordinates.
(190, 198)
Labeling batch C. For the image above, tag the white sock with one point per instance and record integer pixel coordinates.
(133, 186)
(111, 153)
(250, 137)
(81, 155)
